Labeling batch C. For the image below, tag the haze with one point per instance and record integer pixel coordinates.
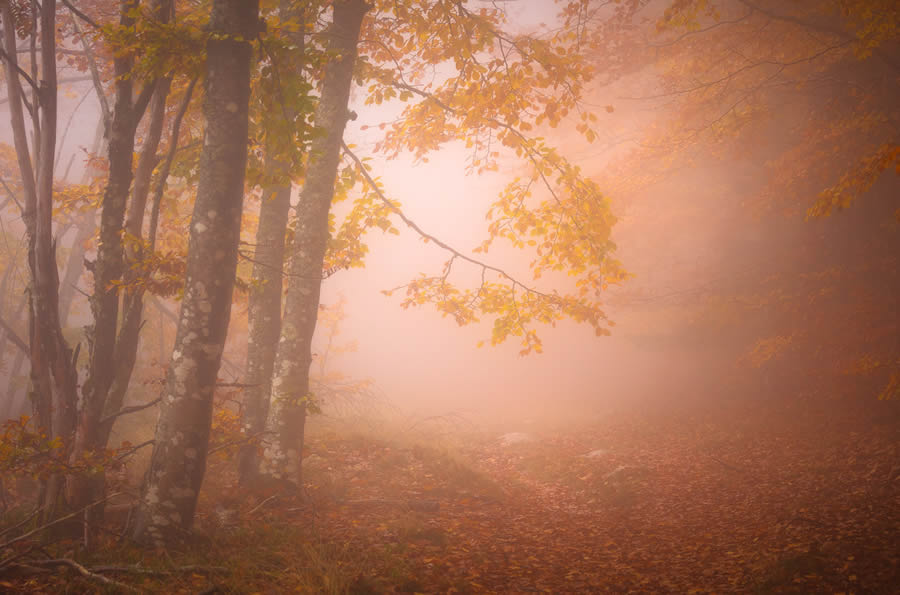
(738, 429)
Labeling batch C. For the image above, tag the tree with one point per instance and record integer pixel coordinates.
(282, 118)
(105, 385)
(85, 422)
(485, 104)
(290, 382)
(53, 373)
(169, 495)
(796, 102)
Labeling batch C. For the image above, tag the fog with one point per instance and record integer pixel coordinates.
(744, 406)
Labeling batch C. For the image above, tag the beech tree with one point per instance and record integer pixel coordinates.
(86, 416)
(281, 114)
(504, 86)
(804, 96)
(179, 454)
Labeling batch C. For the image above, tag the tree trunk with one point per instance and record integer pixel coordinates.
(85, 230)
(290, 382)
(264, 322)
(9, 409)
(54, 382)
(133, 301)
(178, 461)
(106, 360)
(264, 311)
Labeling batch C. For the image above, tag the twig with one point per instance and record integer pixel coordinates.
(57, 521)
(260, 505)
(129, 409)
(20, 524)
(13, 337)
(167, 164)
(134, 449)
(81, 15)
(236, 442)
(83, 572)
(21, 72)
(105, 112)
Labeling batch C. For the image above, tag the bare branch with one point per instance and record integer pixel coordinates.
(16, 340)
(127, 410)
(57, 521)
(21, 72)
(167, 164)
(80, 14)
(83, 571)
(415, 227)
(105, 112)
(134, 449)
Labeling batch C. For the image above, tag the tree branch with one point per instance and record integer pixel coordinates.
(16, 340)
(127, 410)
(105, 112)
(61, 519)
(21, 72)
(80, 14)
(83, 571)
(415, 227)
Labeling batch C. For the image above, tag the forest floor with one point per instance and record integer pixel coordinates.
(751, 499)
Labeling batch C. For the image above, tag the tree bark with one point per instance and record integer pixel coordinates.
(106, 361)
(178, 461)
(10, 409)
(290, 382)
(133, 301)
(86, 228)
(54, 381)
(264, 311)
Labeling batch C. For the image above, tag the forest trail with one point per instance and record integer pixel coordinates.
(641, 504)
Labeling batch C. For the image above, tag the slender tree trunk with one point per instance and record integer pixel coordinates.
(106, 360)
(178, 461)
(264, 316)
(133, 301)
(290, 382)
(54, 382)
(86, 228)
(9, 409)
(108, 266)
(16, 396)
(264, 322)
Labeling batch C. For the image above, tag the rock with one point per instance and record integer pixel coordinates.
(515, 438)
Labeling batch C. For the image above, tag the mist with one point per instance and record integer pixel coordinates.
(608, 301)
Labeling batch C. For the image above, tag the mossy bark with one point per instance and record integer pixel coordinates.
(178, 462)
(290, 380)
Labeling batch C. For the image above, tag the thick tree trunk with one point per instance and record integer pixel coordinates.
(178, 461)
(290, 382)
(264, 316)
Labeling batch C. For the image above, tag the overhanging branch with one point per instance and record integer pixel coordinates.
(422, 233)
